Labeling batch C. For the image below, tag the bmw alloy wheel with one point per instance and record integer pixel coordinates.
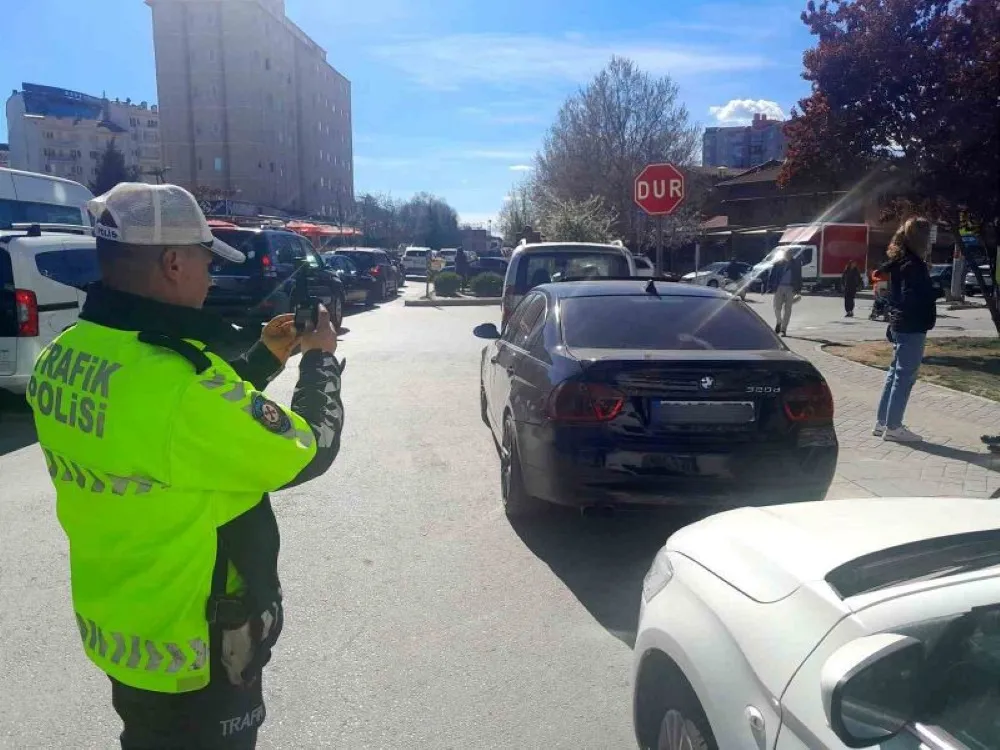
(506, 451)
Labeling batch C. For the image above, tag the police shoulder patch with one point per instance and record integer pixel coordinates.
(269, 414)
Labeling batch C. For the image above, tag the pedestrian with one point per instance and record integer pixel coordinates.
(733, 270)
(912, 313)
(162, 455)
(462, 265)
(785, 282)
(851, 281)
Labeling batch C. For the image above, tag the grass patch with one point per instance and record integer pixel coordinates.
(971, 365)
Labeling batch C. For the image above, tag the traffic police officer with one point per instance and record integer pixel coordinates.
(162, 455)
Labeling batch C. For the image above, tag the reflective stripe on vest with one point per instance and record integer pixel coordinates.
(61, 469)
(179, 667)
(238, 394)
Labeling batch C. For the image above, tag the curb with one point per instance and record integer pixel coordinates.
(453, 302)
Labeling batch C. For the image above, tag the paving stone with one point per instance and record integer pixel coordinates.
(952, 462)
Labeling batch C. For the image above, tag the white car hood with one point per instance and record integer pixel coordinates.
(767, 553)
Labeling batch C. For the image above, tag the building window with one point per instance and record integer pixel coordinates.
(216, 129)
(200, 165)
(272, 167)
(267, 63)
(218, 163)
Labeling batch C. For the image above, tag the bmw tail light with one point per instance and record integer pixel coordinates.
(585, 402)
(809, 403)
(26, 307)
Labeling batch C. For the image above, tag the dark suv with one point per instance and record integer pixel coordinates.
(379, 265)
(252, 293)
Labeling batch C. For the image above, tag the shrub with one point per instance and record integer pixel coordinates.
(446, 284)
(487, 285)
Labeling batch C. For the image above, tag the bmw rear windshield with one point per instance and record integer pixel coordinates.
(664, 323)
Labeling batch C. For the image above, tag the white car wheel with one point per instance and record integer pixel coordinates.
(677, 732)
(713, 283)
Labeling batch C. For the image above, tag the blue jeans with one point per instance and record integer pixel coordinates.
(908, 352)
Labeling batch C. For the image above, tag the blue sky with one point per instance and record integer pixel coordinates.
(452, 96)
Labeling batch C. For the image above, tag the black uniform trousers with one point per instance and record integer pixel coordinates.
(218, 717)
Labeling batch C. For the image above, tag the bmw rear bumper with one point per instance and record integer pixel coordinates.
(750, 474)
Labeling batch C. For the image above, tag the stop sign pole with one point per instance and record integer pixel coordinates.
(659, 191)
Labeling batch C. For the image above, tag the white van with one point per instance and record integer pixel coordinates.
(31, 198)
(545, 262)
(43, 276)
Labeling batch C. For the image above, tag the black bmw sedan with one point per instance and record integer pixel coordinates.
(604, 393)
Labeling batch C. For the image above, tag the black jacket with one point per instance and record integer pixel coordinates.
(778, 272)
(912, 298)
(851, 279)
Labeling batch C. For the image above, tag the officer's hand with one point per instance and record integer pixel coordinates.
(324, 337)
(280, 336)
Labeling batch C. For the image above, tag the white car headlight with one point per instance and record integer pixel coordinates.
(658, 576)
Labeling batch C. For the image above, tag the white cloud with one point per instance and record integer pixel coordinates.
(741, 111)
(451, 62)
(521, 168)
(420, 153)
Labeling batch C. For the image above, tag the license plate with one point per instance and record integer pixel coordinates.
(704, 412)
(667, 462)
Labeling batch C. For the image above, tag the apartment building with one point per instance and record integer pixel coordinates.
(251, 107)
(62, 132)
(745, 146)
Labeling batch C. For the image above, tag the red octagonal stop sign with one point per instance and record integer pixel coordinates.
(659, 189)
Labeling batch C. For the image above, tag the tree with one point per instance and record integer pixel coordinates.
(427, 220)
(519, 210)
(577, 221)
(111, 170)
(605, 134)
(909, 87)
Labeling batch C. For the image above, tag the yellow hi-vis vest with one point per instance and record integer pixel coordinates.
(149, 458)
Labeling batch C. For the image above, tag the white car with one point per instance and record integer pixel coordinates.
(532, 265)
(415, 260)
(844, 623)
(714, 274)
(644, 266)
(44, 271)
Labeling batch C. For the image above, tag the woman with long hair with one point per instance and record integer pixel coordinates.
(912, 313)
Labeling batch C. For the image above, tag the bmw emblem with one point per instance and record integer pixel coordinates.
(707, 383)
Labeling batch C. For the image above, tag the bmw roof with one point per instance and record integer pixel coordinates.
(620, 287)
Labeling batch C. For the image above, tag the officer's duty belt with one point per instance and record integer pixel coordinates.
(228, 612)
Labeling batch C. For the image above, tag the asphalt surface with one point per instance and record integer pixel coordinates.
(417, 615)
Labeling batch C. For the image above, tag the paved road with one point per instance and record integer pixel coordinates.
(822, 317)
(417, 615)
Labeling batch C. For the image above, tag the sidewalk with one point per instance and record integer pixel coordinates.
(952, 461)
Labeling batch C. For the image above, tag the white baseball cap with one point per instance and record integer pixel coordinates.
(156, 215)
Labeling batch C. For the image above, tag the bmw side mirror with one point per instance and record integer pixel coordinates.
(486, 331)
(869, 688)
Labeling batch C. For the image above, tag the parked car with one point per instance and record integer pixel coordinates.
(396, 258)
(359, 288)
(644, 266)
(29, 197)
(44, 273)
(534, 264)
(484, 265)
(253, 292)
(714, 275)
(603, 393)
(415, 260)
(941, 278)
(376, 263)
(845, 623)
(972, 285)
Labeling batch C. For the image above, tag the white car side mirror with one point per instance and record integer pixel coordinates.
(869, 688)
